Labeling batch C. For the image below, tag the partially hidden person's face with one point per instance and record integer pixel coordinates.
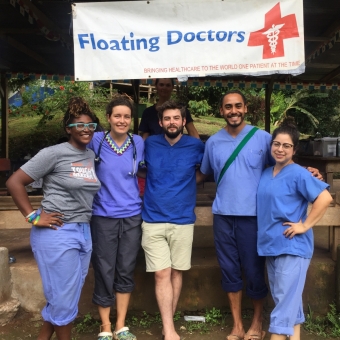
(164, 88)
(172, 123)
(120, 119)
(233, 109)
(282, 149)
(80, 135)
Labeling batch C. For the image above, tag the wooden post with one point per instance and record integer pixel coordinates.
(268, 94)
(4, 115)
(135, 86)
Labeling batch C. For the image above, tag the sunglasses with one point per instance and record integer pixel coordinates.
(83, 126)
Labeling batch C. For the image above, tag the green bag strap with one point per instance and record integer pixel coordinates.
(236, 152)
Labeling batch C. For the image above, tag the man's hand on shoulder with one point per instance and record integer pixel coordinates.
(315, 172)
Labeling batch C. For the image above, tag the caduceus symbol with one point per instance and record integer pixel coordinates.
(273, 36)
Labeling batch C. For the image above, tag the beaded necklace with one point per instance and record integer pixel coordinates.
(113, 146)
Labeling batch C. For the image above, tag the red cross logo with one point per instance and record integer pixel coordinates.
(275, 30)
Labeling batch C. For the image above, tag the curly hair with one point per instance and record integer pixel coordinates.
(77, 106)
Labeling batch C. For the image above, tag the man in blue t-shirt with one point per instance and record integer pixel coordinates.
(168, 212)
(234, 209)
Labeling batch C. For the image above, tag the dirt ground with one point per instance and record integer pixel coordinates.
(26, 326)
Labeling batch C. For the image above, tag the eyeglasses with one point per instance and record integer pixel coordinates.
(83, 126)
(285, 146)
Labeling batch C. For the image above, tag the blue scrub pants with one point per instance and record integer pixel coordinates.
(287, 277)
(63, 258)
(236, 249)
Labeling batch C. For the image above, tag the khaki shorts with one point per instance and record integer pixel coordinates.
(167, 245)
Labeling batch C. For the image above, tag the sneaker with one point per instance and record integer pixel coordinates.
(105, 336)
(124, 334)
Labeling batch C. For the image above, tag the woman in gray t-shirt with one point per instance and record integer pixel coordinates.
(60, 235)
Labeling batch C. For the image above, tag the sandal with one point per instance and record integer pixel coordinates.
(124, 334)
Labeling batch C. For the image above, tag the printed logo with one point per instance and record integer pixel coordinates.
(276, 29)
(85, 172)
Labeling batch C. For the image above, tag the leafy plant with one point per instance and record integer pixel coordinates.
(199, 108)
(295, 102)
(213, 316)
(334, 318)
(45, 98)
(201, 327)
(177, 316)
(86, 324)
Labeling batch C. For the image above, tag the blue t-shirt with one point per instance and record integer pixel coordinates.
(150, 121)
(118, 196)
(170, 188)
(236, 193)
(284, 198)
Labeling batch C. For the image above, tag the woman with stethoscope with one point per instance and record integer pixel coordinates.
(116, 218)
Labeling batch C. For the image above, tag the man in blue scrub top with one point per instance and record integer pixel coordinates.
(234, 209)
(168, 212)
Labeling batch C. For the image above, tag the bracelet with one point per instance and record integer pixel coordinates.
(34, 211)
(36, 220)
(32, 217)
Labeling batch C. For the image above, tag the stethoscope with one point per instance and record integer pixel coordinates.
(97, 158)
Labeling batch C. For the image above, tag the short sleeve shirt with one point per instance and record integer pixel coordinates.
(285, 198)
(69, 180)
(119, 195)
(236, 192)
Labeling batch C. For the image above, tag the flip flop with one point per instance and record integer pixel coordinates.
(255, 336)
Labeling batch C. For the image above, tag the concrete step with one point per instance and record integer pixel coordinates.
(201, 284)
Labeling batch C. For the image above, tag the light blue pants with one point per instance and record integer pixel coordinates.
(63, 258)
(287, 277)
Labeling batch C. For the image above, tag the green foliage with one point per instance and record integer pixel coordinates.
(326, 327)
(212, 94)
(256, 106)
(177, 316)
(213, 316)
(334, 318)
(87, 324)
(145, 320)
(326, 109)
(196, 326)
(295, 103)
(48, 104)
(199, 108)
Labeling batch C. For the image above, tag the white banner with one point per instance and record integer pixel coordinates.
(181, 39)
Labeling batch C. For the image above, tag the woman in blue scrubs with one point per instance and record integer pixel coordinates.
(285, 233)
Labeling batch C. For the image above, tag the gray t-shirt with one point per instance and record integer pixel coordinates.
(70, 182)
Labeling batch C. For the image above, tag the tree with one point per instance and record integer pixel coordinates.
(295, 102)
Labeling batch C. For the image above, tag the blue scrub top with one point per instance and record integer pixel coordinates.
(285, 198)
(236, 193)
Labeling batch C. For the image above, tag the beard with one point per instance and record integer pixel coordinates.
(234, 125)
(174, 134)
